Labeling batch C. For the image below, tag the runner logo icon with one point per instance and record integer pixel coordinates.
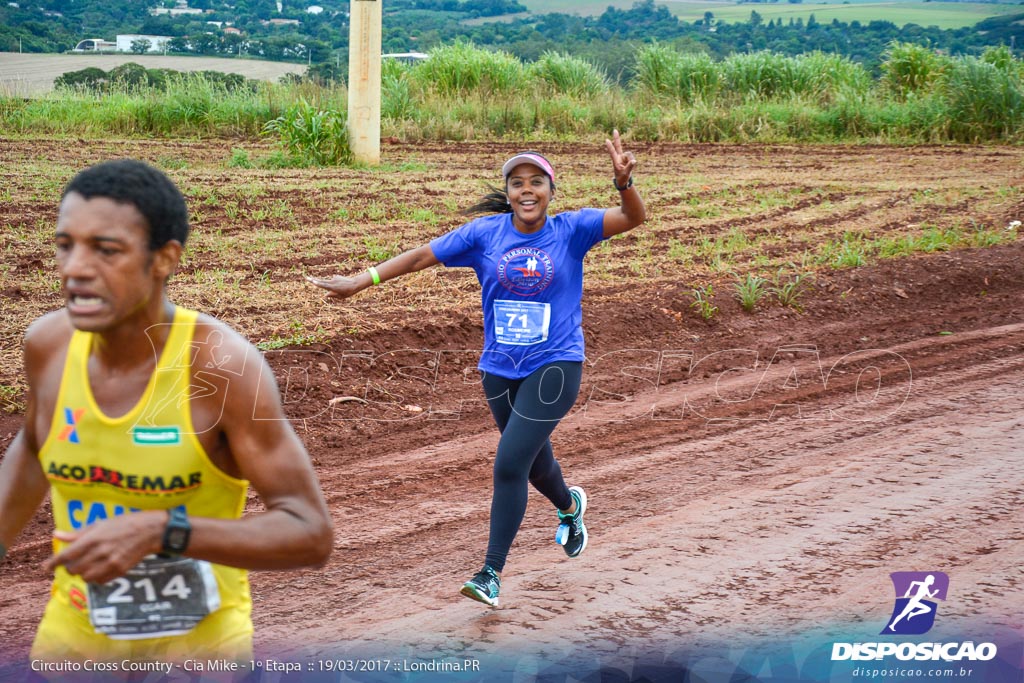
(525, 270)
(915, 608)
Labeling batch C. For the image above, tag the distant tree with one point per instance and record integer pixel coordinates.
(178, 44)
(755, 18)
(158, 77)
(141, 46)
(327, 72)
(205, 43)
(91, 78)
(130, 75)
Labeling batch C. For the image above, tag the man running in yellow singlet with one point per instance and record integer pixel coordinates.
(146, 422)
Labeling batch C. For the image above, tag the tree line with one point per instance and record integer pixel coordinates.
(609, 40)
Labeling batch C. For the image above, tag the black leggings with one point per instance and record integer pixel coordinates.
(527, 411)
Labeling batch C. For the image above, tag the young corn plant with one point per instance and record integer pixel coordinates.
(311, 136)
(702, 302)
(789, 292)
(850, 255)
(750, 290)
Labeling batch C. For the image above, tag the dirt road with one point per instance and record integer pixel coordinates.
(766, 500)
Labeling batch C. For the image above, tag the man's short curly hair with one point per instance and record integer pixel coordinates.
(129, 181)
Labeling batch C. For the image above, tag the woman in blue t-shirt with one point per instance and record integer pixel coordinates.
(530, 268)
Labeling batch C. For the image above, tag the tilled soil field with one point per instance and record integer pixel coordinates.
(752, 475)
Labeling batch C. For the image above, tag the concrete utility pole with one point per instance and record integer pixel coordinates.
(364, 80)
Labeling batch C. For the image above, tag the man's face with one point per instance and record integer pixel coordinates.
(107, 271)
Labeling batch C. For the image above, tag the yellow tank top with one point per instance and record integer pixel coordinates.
(147, 459)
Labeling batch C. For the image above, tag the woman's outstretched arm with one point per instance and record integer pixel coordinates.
(411, 261)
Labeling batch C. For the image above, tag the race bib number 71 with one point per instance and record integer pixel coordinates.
(521, 322)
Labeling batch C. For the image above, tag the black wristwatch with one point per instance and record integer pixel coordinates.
(177, 532)
(623, 188)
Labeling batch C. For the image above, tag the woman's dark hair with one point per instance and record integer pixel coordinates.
(495, 201)
(128, 181)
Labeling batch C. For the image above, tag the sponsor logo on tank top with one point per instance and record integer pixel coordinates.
(135, 483)
(77, 598)
(526, 271)
(72, 416)
(156, 436)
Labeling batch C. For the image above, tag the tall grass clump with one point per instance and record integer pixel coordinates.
(568, 75)
(664, 72)
(1002, 58)
(311, 136)
(194, 104)
(760, 75)
(827, 78)
(396, 101)
(912, 70)
(985, 102)
(461, 68)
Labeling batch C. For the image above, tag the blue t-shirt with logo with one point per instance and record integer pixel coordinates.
(532, 286)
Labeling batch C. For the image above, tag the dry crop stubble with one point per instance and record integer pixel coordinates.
(256, 232)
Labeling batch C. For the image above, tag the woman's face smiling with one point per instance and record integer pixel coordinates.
(529, 193)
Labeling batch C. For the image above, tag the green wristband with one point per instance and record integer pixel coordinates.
(374, 275)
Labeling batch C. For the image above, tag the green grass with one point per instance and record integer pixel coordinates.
(941, 14)
(298, 336)
(702, 303)
(463, 92)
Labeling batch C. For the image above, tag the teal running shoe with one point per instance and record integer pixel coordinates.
(572, 532)
(484, 587)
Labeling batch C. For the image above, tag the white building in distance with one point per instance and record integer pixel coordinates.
(156, 43)
(122, 44)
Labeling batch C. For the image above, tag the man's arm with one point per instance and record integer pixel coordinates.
(294, 531)
(296, 528)
(23, 484)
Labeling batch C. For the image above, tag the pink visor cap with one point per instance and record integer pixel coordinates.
(528, 158)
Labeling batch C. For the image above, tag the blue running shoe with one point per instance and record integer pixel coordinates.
(572, 532)
(484, 586)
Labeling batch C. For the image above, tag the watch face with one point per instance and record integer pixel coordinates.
(176, 539)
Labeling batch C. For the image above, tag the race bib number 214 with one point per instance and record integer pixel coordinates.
(158, 597)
